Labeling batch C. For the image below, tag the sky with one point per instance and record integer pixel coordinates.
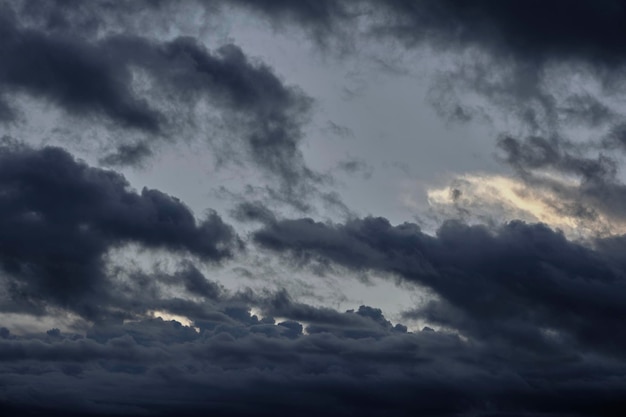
(316, 207)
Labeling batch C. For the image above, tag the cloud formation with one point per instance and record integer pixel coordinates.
(337, 363)
(155, 90)
(60, 217)
(513, 319)
(520, 285)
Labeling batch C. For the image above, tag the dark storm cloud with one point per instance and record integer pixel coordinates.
(319, 15)
(507, 50)
(513, 285)
(59, 217)
(522, 38)
(196, 283)
(532, 30)
(248, 365)
(319, 18)
(529, 30)
(529, 323)
(96, 79)
(72, 74)
(262, 116)
(514, 54)
(365, 322)
(496, 290)
(554, 67)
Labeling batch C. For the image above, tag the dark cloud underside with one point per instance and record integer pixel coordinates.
(346, 363)
(517, 319)
(530, 29)
(59, 217)
(512, 286)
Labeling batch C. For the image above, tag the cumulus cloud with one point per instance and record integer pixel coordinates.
(60, 217)
(244, 365)
(505, 285)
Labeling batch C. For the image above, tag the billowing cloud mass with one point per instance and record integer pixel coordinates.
(60, 217)
(119, 299)
(519, 281)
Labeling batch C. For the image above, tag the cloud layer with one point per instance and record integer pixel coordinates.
(512, 318)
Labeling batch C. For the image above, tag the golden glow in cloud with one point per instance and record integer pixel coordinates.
(185, 321)
(480, 198)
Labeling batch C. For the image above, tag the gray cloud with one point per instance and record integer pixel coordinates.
(60, 217)
(72, 74)
(96, 79)
(533, 30)
(509, 284)
(233, 355)
(250, 365)
(529, 322)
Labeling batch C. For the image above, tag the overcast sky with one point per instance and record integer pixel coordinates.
(316, 207)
